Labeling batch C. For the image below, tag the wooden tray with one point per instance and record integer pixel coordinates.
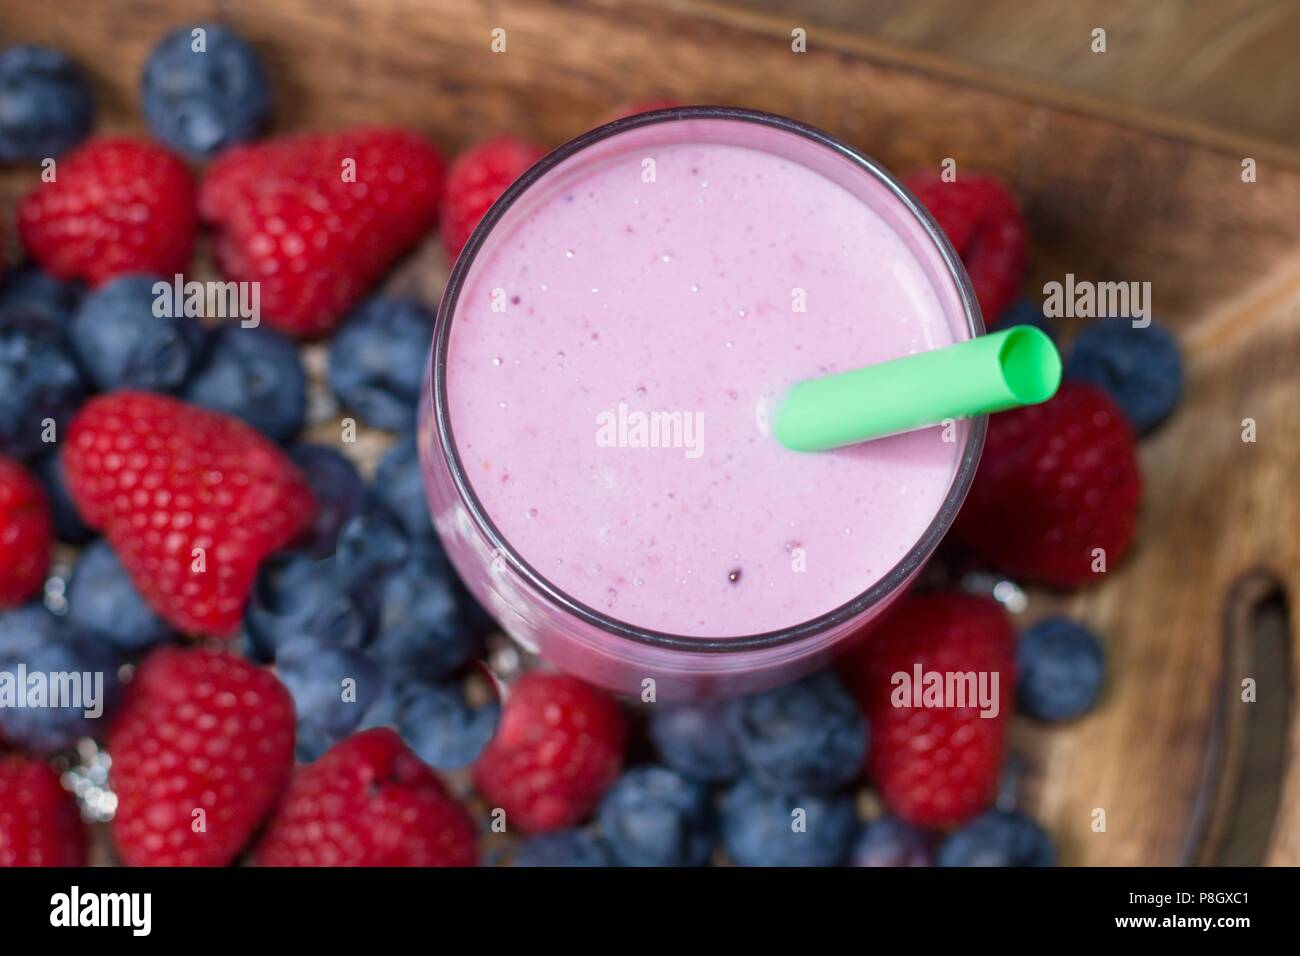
(1184, 770)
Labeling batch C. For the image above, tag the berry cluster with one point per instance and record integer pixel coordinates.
(287, 657)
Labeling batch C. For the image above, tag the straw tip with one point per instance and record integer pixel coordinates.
(1030, 364)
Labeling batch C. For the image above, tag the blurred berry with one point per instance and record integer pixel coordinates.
(890, 842)
(102, 601)
(769, 829)
(332, 686)
(27, 291)
(1139, 368)
(806, 737)
(1059, 666)
(378, 359)
(202, 101)
(254, 374)
(654, 816)
(399, 487)
(68, 525)
(370, 544)
(296, 596)
(442, 728)
(339, 492)
(997, 838)
(564, 848)
(422, 631)
(696, 739)
(39, 380)
(45, 104)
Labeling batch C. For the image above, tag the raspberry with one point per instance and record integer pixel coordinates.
(191, 501)
(983, 222)
(117, 206)
(368, 801)
(934, 765)
(26, 532)
(557, 749)
(476, 180)
(1058, 486)
(39, 822)
(201, 749)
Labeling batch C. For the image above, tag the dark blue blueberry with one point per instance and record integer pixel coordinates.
(311, 742)
(256, 375)
(564, 848)
(298, 596)
(63, 662)
(386, 709)
(45, 104)
(890, 842)
(121, 343)
(696, 739)
(1139, 368)
(370, 544)
(203, 98)
(771, 829)
(806, 737)
(441, 727)
(339, 493)
(399, 487)
(997, 838)
(39, 380)
(25, 627)
(654, 816)
(1026, 312)
(422, 631)
(102, 601)
(68, 525)
(29, 291)
(378, 358)
(332, 686)
(1060, 666)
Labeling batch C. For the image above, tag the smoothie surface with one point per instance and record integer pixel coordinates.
(700, 296)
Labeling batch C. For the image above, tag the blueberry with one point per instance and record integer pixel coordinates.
(806, 737)
(122, 344)
(370, 544)
(1139, 368)
(39, 380)
(45, 104)
(62, 661)
(654, 816)
(338, 490)
(1059, 668)
(256, 375)
(399, 487)
(771, 829)
(25, 627)
(102, 601)
(297, 596)
(696, 739)
(564, 848)
(422, 631)
(441, 727)
(68, 525)
(204, 99)
(332, 686)
(997, 838)
(1026, 312)
(378, 358)
(30, 292)
(890, 842)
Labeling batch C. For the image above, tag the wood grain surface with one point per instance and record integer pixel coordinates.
(1171, 755)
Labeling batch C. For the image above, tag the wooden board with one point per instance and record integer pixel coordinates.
(1180, 765)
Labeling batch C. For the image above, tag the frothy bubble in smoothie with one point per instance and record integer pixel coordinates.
(614, 361)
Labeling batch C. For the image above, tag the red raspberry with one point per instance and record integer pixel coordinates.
(368, 801)
(557, 749)
(317, 219)
(26, 532)
(115, 206)
(198, 730)
(1057, 481)
(934, 765)
(983, 222)
(39, 822)
(191, 500)
(476, 180)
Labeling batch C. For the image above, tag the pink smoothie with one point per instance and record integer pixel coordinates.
(612, 296)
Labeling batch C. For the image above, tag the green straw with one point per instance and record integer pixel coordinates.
(1018, 366)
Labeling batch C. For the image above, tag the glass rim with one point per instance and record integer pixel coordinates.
(879, 590)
